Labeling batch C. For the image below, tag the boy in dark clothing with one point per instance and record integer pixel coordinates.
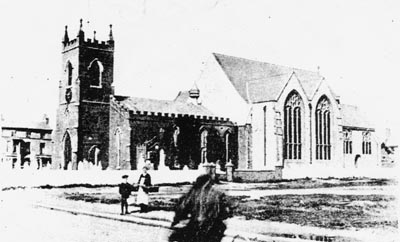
(125, 190)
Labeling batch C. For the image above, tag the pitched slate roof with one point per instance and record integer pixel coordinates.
(258, 81)
(352, 117)
(26, 125)
(163, 106)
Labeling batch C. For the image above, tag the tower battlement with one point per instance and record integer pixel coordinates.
(80, 40)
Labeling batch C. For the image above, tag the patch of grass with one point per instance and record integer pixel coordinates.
(322, 210)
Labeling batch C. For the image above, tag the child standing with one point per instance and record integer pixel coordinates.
(125, 190)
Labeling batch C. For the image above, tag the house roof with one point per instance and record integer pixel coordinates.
(352, 117)
(26, 125)
(177, 106)
(258, 81)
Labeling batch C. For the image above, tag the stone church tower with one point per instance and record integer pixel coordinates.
(83, 115)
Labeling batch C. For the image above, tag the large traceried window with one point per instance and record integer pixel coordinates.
(347, 142)
(323, 129)
(292, 127)
(366, 144)
(95, 70)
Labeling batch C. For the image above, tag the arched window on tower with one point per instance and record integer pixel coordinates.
(323, 129)
(69, 73)
(292, 127)
(95, 70)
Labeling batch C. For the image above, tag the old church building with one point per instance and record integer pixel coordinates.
(96, 128)
(286, 117)
(257, 115)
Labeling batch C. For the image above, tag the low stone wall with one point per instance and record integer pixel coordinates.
(257, 175)
(29, 178)
(337, 172)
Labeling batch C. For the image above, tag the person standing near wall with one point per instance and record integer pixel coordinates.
(144, 184)
(125, 190)
(200, 214)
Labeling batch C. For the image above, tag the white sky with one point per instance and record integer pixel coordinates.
(161, 46)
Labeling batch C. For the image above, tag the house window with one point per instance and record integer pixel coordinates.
(347, 143)
(69, 73)
(95, 71)
(15, 146)
(366, 144)
(9, 147)
(323, 129)
(42, 148)
(292, 127)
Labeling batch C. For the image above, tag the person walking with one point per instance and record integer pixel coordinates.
(200, 213)
(125, 190)
(144, 184)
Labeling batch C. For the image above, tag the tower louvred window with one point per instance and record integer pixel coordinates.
(95, 73)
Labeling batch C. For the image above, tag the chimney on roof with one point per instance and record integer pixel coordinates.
(46, 119)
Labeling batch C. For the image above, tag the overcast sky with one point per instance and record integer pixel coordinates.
(161, 46)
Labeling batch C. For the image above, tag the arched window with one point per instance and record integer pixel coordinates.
(93, 155)
(323, 129)
(67, 151)
(203, 145)
(118, 146)
(292, 127)
(366, 144)
(95, 73)
(347, 142)
(227, 146)
(69, 73)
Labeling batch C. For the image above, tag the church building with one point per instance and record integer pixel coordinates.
(287, 118)
(283, 118)
(96, 128)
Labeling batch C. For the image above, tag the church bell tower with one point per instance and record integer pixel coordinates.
(85, 87)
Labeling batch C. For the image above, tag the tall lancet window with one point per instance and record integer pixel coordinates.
(69, 73)
(292, 127)
(203, 146)
(118, 146)
(323, 129)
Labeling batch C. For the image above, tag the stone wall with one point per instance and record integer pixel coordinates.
(257, 175)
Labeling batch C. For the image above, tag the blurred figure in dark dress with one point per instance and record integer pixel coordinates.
(200, 213)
